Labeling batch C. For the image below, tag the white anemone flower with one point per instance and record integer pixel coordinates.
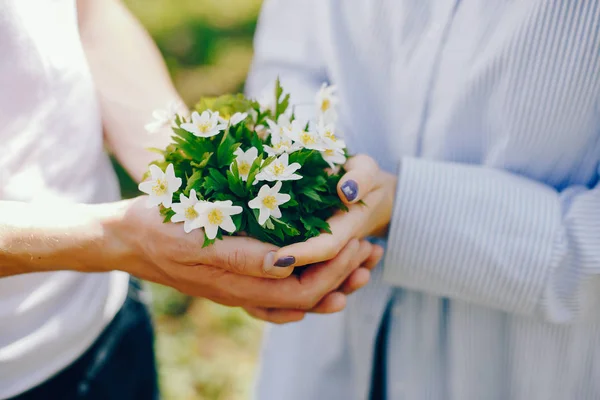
(213, 216)
(268, 201)
(334, 157)
(164, 118)
(161, 186)
(279, 170)
(186, 213)
(329, 138)
(206, 124)
(244, 160)
(305, 138)
(237, 118)
(280, 140)
(326, 100)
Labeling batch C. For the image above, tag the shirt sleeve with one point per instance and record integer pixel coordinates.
(490, 237)
(285, 46)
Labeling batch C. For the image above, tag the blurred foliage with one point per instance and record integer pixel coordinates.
(205, 351)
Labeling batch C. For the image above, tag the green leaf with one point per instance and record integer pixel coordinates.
(254, 170)
(204, 162)
(301, 157)
(281, 102)
(207, 241)
(218, 177)
(287, 228)
(193, 180)
(269, 224)
(225, 151)
(311, 194)
(235, 183)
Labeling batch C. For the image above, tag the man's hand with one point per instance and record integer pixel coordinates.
(236, 271)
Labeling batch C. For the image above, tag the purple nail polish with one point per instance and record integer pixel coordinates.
(350, 189)
(285, 261)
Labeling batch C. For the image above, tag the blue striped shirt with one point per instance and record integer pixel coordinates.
(488, 111)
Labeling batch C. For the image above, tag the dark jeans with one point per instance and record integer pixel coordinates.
(120, 365)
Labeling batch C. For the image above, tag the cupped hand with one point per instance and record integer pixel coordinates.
(369, 194)
(362, 255)
(235, 271)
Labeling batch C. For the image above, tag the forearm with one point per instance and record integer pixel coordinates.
(131, 80)
(494, 238)
(42, 238)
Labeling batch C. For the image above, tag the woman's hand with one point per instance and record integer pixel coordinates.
(361, 257)
(369, 193)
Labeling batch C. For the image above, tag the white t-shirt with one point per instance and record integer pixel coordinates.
(50, 148)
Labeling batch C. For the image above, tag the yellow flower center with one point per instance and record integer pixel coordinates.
(204, 127)
(215, 217)
(329, 152)
(270, 202)
(307, 138)
(325, 105)
(244, 168)
(190, 213)
(329, 135)
(160, 187)
(278, 169)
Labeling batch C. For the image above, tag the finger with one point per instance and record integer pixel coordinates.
(360, 178)
(244, 256)
(328, 276)
(332, 303)
(301, 292)
(325, 246)
(276, 316)
(374, 258)
(358, 279)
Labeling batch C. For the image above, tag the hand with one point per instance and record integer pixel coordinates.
(368, 257)
(237, 271)
(363, 181)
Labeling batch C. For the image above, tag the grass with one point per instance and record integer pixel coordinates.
(205, 351)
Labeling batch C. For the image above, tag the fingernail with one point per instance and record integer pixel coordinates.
(285, 261)
(270, 268)
(350, 189)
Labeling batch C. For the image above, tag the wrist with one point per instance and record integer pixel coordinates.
(56, 236)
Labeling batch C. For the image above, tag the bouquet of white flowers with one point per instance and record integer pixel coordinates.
(237, 165)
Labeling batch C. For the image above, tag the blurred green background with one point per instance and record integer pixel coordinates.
(205, 351)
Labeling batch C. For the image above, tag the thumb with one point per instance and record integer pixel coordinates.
(246, 256)
(360, 179)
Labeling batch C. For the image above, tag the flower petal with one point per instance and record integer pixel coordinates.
(178, 218)
(179, 208)
(263, 215)
(167, 200)
(190, 225)
(191, 128)
(255, 203)
(277, 187)
(195, 118)
(156, 172)
(276, 212)
(228, 225)
(252, 153)
(211, 231)
(282, 198)
(284, 159)
(146, 187)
